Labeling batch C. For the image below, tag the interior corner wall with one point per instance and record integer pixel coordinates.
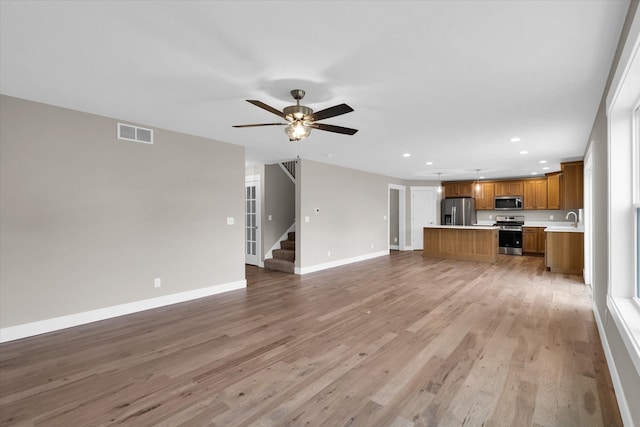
(87, 221)
(279, 203)
(347, 212)
(623, 369)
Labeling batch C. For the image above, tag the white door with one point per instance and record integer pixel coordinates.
(252, 220)
(423, 213)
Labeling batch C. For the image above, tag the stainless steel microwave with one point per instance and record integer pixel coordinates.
(507, 203)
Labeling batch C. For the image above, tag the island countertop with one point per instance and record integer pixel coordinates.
(464, 227)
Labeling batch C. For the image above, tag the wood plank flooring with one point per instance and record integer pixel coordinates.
(399, 341)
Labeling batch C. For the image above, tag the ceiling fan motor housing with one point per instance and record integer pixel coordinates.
(296, 112)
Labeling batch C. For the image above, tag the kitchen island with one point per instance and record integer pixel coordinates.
(565, 250)
(471, 243)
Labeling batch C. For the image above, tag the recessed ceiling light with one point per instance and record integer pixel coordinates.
(482, 177)
(429, 163)
(406, 155)
(534, 173)
(543, 161)
(524, 152)
(515, 139)
(546, 168)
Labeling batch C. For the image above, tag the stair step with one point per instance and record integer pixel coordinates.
(284, 254)
(291, 235)
(288, 244)
(279, 265)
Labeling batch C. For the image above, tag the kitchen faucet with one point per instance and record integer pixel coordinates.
(575, 216)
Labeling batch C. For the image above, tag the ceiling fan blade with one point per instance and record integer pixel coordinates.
(336, 110)
(266, 107)
(260, 124)
(332, 128)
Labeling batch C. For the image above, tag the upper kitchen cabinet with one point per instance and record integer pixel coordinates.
(554, 190)
(457, 189)
(572, 185)
(535, 194)
(484, 196)
(509, 188)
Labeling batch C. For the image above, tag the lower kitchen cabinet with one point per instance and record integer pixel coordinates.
(565, 252)
(533, 240)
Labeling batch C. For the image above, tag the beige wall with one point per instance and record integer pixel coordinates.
(88, 221)
(352, 205)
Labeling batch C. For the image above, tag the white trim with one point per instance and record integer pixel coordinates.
(626, 315)
(254, 180)
(402, 216)
(628, 51)
(338, 263)
(394, 247)
(25, 330)
(276, 245)
(623, 406)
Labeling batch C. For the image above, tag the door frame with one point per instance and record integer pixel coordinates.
(254, 180)
(402, 226)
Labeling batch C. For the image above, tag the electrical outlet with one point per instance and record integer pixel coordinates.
(551, 217)
(384, 218)
(328, 253)
(395, 240)
(372, 246)
(157, 282)
(306, 219)
(270, 218)
(230, 220)
(490, 216)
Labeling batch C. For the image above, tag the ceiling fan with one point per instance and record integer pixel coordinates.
(301, 119)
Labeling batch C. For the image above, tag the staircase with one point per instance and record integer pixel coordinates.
(283, 258)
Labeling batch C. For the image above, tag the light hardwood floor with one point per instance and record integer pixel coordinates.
(400, 340)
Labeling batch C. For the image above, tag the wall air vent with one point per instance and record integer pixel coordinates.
(135, 133)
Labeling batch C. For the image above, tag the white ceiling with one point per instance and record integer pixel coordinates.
(448, 81)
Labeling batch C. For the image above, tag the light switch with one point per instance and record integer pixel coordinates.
(384, 217)
(230, 220)
(270, 217)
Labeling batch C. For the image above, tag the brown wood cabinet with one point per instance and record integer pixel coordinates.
(535, 194)
(572, 185)
(533, 240)
(484, 197)
(554, 190)
(509, 188)
(457, 189)
(565, 252)
(461, 243)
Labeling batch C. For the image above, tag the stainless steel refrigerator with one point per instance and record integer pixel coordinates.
(458, 211)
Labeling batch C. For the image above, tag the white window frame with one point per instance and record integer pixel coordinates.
(624, 193)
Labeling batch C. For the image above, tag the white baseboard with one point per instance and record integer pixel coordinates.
(338, 263)
(625, 412)
(12, 333)
(394, 247)
(407, 248)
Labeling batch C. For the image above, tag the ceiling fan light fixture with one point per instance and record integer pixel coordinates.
(297, 131)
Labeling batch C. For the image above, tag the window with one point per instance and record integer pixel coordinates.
(623, 119)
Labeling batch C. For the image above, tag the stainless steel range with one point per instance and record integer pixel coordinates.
(509, 234)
